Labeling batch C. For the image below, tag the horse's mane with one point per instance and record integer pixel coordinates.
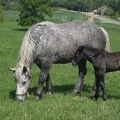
(26, 55)
(94, 49)
(27, 49)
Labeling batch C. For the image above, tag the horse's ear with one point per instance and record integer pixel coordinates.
(24, 69)
(26, 72)
(12, 69)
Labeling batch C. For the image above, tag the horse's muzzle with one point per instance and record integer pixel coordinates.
(21, 97)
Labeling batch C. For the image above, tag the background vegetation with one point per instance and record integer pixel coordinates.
(62, 105)
(32, 11)
(1, 15)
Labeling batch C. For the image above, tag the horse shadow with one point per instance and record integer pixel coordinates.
(12, 94)
(63, 89)
(20, 29)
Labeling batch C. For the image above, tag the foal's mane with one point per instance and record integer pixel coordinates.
(94, 51)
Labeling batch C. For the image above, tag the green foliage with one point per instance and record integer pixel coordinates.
(1, 15)
(109, 12)
(113, 9)
(79, 5)
(65, 16)
(10, 4)
(117, 14)
(33, 11)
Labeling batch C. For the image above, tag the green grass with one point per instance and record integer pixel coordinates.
(59, 16)
(62, 105)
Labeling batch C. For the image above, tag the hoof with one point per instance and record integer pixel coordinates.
(105, 98)
(92, 94)
(50, 92)
(96, 97)
(38, 97)
(75, 91)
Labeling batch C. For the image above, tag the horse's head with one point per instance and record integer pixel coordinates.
(78, 56)
(22, 79)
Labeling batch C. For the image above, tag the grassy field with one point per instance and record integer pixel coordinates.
(62, 105)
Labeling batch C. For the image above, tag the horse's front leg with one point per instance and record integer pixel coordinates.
(82, 72)
(48, 82)
(49, 85)
(45, 67)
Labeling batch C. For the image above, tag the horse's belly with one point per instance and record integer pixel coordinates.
(62, 58)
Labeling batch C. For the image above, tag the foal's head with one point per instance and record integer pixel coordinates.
(87, 53)
(22, 79)
(78, 56)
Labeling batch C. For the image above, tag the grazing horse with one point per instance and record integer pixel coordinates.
(46, 43)
(102, 62)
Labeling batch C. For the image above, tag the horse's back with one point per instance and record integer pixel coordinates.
(60, 41)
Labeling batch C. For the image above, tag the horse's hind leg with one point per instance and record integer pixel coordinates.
(82, 72)
(92, 94)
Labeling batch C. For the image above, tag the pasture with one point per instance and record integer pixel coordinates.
(62, 105)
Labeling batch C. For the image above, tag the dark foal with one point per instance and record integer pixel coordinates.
(102, 61)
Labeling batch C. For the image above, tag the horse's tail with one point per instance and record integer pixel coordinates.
(107, 47)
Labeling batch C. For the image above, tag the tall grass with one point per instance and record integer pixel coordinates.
(62, 105)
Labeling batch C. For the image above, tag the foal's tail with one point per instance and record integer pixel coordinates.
(107, 47)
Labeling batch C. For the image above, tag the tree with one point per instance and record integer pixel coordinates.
(1, 15)
(33, 11)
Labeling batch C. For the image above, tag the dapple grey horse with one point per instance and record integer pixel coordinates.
(47, 43)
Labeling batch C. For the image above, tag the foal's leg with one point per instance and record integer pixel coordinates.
(98, 78)
(102, 85)
(93, 92)
(45, 67)
(82, 73)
